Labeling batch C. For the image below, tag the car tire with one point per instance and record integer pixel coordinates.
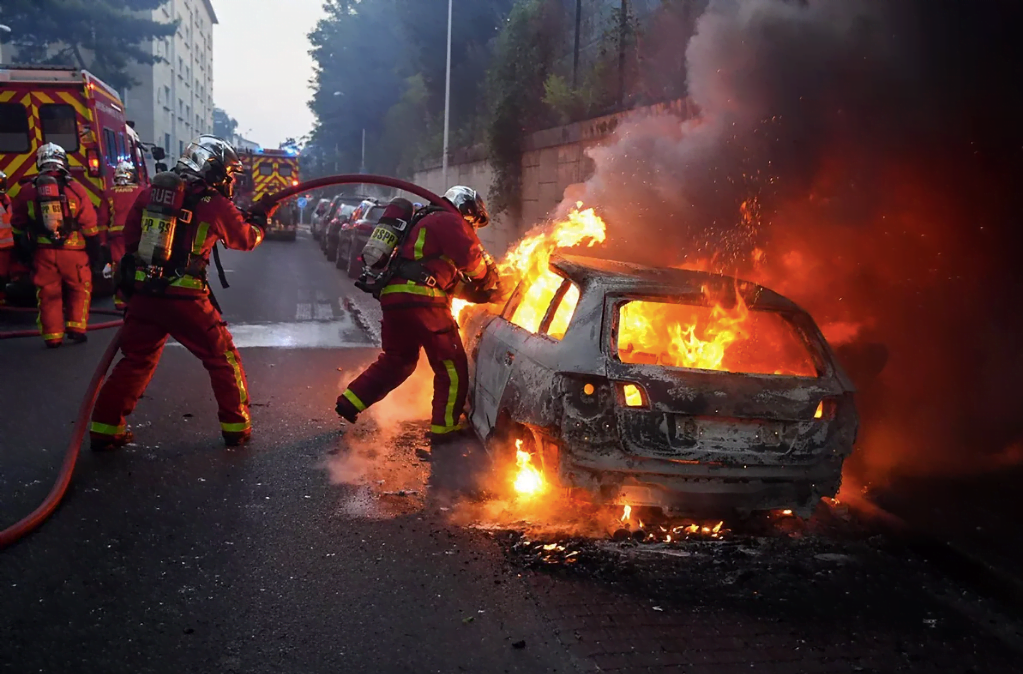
(354, 265)
(341, 254)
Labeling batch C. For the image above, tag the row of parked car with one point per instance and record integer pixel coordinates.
(342, 226)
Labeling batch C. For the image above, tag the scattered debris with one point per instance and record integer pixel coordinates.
(519, 644)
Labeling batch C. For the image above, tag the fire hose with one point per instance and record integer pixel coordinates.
(20, 529)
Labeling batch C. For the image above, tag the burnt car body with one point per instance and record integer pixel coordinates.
(352, 238)
(698, 441)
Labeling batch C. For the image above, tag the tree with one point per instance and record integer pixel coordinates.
(102, 36)
(224, 125)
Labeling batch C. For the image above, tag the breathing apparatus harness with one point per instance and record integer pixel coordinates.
(381, 255)
(54, 218)
(164, 254)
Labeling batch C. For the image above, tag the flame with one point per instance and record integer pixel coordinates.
(627, 513)
(530, 259)
(633, 397)
(710, 337)
(528, 480)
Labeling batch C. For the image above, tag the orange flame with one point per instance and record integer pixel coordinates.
(529, 480)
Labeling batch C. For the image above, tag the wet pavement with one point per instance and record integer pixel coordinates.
(312, 551)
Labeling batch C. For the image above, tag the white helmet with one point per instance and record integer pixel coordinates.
(124, 174)
(51, 157)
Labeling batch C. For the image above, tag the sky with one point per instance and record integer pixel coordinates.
(261, 66)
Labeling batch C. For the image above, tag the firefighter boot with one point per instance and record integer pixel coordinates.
(237, 439)
(106, 443)
(77, 337)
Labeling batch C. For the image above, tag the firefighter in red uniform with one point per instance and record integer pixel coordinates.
(126, 191)
(191, 205)
(6, 237)
(441, 251)
(58, 221)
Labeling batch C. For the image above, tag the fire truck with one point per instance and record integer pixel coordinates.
(76, 110)
(270, 171)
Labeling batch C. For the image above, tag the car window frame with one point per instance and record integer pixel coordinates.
(516, 298)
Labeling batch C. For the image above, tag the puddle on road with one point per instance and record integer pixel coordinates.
(342, 333)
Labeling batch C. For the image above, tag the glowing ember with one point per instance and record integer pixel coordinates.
(528, 480)
(627, 513)
(786, 512)
(819, 414)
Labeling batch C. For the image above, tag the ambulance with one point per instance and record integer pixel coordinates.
(76, 110)
(270, 171)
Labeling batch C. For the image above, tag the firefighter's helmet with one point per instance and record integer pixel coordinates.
(51, 157)
(213, 161)
(124, 174)
(3, 183)
(470, 204)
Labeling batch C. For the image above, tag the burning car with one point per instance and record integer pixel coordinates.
(672, 388)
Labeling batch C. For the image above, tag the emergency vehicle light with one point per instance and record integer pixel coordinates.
(92, 161)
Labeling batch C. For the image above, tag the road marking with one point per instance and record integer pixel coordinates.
(304, 312)
(340, 334)
(323, 312)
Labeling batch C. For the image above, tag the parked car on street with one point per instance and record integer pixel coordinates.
(630, 384)
(315, 224)
(352, 238)
(342, 217)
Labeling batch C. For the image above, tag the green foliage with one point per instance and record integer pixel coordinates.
(516, 84)
(102, 36)
(224, 125)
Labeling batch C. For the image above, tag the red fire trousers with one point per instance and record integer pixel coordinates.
(197, 325)
(403, 332)
(63, 281)
(116, 244)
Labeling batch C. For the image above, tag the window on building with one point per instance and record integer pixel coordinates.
(60, 125)
(181, 106)
(181, 64)
(14, 128)
(181, 147)
(188, 111)
(166, 143)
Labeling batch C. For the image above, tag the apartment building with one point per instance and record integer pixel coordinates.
(173, 101)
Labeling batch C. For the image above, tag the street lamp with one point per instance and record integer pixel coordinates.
(4, 28)
(447, 99)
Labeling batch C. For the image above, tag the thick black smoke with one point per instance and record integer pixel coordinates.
(872, 149)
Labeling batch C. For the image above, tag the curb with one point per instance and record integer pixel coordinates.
(352, 307)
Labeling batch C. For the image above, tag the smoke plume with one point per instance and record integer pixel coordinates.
(861, 157)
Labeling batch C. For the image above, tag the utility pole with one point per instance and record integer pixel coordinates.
(4, 28)
(447, 100)
(575, 52)
(623, 24)
(362, 165)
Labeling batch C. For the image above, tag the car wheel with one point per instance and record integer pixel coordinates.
(354, 264)
(341, 255)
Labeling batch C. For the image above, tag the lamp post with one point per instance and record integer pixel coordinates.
(4, 28)
(447, 100)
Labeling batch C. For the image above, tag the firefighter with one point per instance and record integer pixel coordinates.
(126, 191)
(57, 221)
(6, 237)
(441, 251)
(166, 277)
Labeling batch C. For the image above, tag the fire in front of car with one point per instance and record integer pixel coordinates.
(528, 480)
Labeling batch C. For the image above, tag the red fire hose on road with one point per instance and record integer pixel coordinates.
(18, 530)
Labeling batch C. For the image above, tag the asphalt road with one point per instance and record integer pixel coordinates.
(312, 552)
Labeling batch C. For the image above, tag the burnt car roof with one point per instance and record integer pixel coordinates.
(627, 277)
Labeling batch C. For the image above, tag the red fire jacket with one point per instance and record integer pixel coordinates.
(444, 244)
(121, 201)
(214, 218)
(24, 216)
